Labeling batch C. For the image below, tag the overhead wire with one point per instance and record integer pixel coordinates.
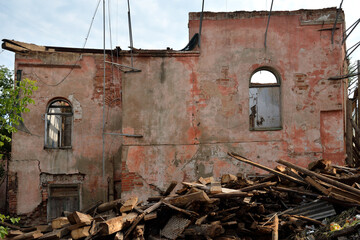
(351, 28)
(79, 58)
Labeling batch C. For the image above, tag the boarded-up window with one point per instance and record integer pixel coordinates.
(264, 100)
(62, 198)
(58, 124)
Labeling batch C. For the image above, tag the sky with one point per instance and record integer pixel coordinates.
(156, 24)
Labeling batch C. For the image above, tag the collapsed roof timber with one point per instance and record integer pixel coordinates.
(190, 107)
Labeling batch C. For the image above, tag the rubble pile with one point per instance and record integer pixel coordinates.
(292, 202)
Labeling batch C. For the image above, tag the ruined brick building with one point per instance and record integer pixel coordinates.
(178, 116)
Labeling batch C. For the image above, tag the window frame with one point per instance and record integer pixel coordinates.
(49, 106)
(267, 85)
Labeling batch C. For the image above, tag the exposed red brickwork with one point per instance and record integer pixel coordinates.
(129, 180)
(12, 193)
(112, 83)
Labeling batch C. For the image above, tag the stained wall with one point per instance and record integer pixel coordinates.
(191, 108)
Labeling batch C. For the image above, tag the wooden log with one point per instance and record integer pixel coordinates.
(80, 232)
(14, 233)
(29, 235)
(307, 219)
(226, 178)
(282, 175)
(59, 222)
(78, 217)
(206, 180)
(44, 228)
(275, 232)
(170, 188)
(182, 200)
(317, 185)
(150, 216)
(108, 205)
(116, 224)
(90, 209)
(56, 234)
(186, 212)
(319, 176)
(129, 204)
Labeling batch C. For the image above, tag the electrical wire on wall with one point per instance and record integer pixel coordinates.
(79, 58)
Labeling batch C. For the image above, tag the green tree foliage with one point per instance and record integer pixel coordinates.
(4, 230)
(14, 99)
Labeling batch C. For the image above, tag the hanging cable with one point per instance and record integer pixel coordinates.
(103, 125)
(77, 61)
(267, 25)
(351, 28)
(354, 47)
(336, 18)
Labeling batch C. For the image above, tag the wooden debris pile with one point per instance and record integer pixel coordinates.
(282, 205)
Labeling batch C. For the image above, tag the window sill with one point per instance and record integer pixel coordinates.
(59, 148)
(267, 129)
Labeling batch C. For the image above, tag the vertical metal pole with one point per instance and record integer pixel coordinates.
(267, 25)
(349, 133)
(358, 98)
(103, 126)
(200, 26)
(130, 35)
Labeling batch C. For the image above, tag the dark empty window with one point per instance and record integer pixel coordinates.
(58, 124)
(264, 100)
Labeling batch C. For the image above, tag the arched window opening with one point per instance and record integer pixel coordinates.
(58, 124)
(264, 100)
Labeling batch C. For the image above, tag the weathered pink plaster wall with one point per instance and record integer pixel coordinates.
(191, 107)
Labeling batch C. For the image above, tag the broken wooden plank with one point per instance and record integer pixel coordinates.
(129, 204)
(81, 232)
(116, 224)
(78, 217)
(257, 186)
(56, 234)
(182, 200)
(275, 232)
(282, 175)
(186, 212)
(140, 217)
(44, 228)
(150, 216)
(215, 187)
(319, 176)
(108, 205)
(226, 178)
(14, 233)
(307, 219)
(30, 235)
(59, 222)
(300, 192)
(170, 188)
(317, 185)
